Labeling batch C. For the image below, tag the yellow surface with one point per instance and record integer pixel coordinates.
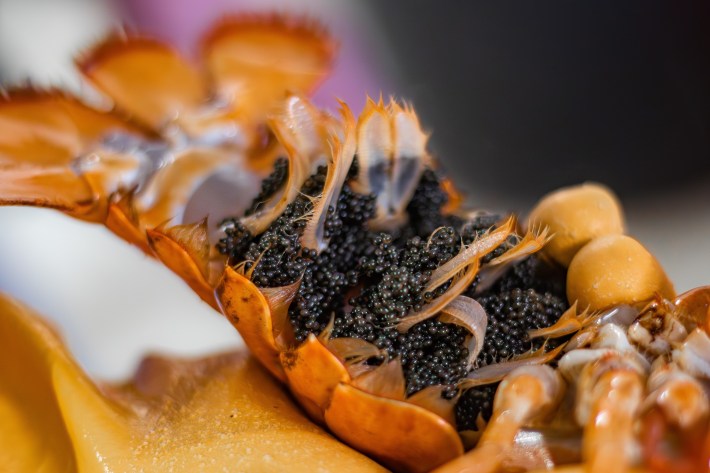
(223, 413)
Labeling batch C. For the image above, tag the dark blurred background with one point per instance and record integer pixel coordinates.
(521, 97)
(528, 96)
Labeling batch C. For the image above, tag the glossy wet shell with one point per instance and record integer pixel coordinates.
(247, 309)
(313, 373)
(403, 436)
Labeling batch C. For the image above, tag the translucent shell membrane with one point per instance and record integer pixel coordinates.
(144, 165)
(392, 154)
(341, 159)
(303, 132)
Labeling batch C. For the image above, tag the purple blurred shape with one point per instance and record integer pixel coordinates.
(182, 23)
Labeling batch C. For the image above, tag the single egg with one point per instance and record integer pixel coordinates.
(576, 215)
(613, 270)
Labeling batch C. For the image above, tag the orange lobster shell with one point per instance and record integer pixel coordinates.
(153, 92)
(135, 159)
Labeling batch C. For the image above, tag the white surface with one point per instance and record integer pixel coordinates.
(37, 36)
(676, 228)
(111, 303)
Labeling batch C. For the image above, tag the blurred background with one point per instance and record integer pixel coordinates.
(522, 97)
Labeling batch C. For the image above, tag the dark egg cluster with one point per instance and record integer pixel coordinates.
(271, 185)
(366, 280)
(332, 274)
(424, 208)
(522, 300)
(275, 256)
(431, 352)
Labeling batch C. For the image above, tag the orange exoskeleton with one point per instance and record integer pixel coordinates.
(352, 273)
